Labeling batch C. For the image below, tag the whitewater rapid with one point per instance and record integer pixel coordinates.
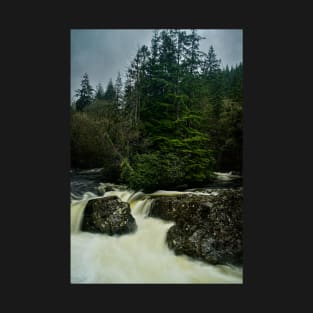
(140, 257)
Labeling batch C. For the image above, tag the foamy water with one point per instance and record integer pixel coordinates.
(140, 257)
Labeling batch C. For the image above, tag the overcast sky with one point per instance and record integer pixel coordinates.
(102, 53)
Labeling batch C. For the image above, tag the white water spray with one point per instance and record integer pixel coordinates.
(140, 257)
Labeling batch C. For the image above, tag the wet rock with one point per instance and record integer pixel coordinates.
(105, 187)
(109, 188)
(207, 227)
(175, 208)
(108, 215)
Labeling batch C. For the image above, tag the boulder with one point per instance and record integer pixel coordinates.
(108, 215)
(178, 208)
(207, 227)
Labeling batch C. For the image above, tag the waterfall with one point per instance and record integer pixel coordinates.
(140, 257)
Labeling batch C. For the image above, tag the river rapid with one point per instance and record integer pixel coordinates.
(139, 257)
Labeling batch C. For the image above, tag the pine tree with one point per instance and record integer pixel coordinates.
(118, 89)
(211, 65)
(192, 53)
(85, 94)
(180, 39)
(110, 93)
(99, 92)
(136, 75)
(211, 71)
(154, 55)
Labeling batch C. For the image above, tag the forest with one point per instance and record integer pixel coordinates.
(176, 119)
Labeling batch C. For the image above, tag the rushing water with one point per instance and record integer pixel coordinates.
(140, 257)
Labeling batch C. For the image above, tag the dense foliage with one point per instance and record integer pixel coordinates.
(177, 118)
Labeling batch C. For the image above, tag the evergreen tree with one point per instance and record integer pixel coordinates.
(212, 73)
(211, 65)
(99, 92)
(118, 89)
(192, 53)
(85, 94)
(236, 84)
(128, 96)
(154, 55)
(110, 93)
(136, 78)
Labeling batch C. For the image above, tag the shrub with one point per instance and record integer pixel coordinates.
(90, 148)
(158, 170)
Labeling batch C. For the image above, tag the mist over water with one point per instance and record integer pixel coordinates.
(140, 257)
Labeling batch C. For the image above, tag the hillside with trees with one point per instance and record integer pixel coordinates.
(177, 118)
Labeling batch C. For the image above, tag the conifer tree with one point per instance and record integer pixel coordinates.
(85, 94)
(110, 93)
(118, 89)
(99, 92)
(211, 65)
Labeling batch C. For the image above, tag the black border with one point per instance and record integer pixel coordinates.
(36, 156)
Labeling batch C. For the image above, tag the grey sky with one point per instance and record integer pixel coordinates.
(102, 53)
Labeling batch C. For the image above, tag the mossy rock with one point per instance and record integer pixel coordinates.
(108, 215)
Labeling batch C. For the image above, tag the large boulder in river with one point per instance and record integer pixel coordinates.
(207, 227)
(108, 215)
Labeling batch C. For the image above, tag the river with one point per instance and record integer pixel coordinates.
(140, 257)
